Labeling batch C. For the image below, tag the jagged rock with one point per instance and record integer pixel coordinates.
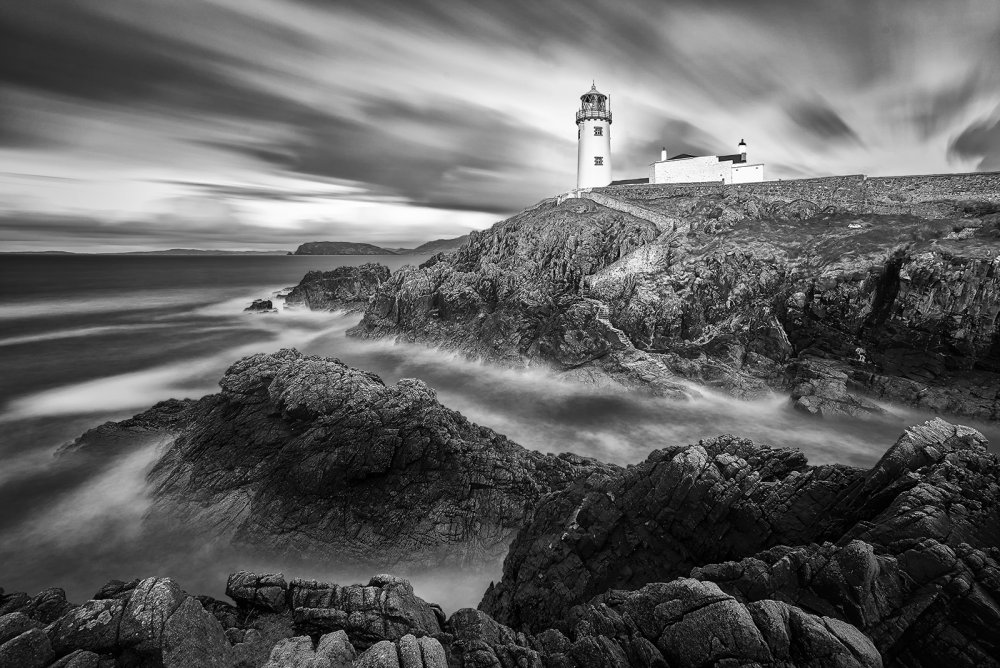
(895, 573)
(295, 652)
(227, 614)
(305, 455)
(47, 606)
(78, 659)
(336, 648)
(193, 638)
(268, 592)
(261, 306)
(30, 649)
(382, 654)
(162, 419)
(915, 599)
(347, 288)
(820, 388)
(93, 626)
(117, 589)
(14, 624)
(15, 602)
(147, 611)
(385, 609)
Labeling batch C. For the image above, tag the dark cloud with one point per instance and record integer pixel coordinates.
(979, 141)
(96, 56)
(936, 110)
(431, 154)
(821, 122)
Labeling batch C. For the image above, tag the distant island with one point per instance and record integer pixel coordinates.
(340, 248)
(353, 248)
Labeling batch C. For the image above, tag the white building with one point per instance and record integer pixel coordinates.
(593, 135)
(686, 168)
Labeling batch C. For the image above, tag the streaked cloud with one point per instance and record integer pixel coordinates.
(407, 121)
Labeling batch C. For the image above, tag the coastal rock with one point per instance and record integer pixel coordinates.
(727, 288)
(160, 421)
(261, 306)
(349, 468)
(343, 288)
(384, 609)
(920, 526)
(30, 649)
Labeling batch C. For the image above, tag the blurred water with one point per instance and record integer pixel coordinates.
(88, 339)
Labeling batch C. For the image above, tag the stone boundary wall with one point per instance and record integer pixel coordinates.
(929, 196)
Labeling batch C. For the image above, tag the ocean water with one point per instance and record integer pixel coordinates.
(85, 339)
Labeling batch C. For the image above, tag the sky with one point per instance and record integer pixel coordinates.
(262, 124)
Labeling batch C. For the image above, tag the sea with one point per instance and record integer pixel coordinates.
(89, 338)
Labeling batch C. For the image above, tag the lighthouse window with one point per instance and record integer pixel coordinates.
(598, 132)
(598, 160)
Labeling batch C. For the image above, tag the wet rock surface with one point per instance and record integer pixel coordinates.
(343, 288)
(728, 289)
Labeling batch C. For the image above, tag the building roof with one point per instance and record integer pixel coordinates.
(682, 156)
(735, 157)
(626, 182)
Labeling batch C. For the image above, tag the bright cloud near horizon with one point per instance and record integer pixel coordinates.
(261, 124)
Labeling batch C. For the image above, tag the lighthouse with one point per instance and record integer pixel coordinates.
(593, 134)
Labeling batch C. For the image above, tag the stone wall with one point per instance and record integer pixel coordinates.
(930, 196)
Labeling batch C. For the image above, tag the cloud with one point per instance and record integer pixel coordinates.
(980, 141)
(821, 122)
(289, 110)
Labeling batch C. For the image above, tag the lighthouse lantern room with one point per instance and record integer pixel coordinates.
(593, 122)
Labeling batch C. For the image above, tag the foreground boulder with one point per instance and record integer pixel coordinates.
(343, 288)
(383, 624)
(305, 455)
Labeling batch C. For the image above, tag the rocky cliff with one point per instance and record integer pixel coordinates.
(304, 455)
(735, 289)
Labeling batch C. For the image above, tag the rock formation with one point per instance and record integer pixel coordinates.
(729, 289)
(152, 623)
(305, 455)
(905, 552)
(261, 306)
(343, 288)
(725, 552)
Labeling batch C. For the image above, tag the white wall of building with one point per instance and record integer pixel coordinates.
(591, 146)
(743, 173)
(704, 168)
(688, 170)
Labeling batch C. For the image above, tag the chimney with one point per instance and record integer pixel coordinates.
(663, 154)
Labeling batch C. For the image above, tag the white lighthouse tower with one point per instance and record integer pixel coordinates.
(593, 123)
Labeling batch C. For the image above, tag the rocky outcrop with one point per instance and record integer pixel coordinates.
(904, 550)
(734, 289)
(261, 306)
(343, 288)
(304, 455)
(686, 622)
